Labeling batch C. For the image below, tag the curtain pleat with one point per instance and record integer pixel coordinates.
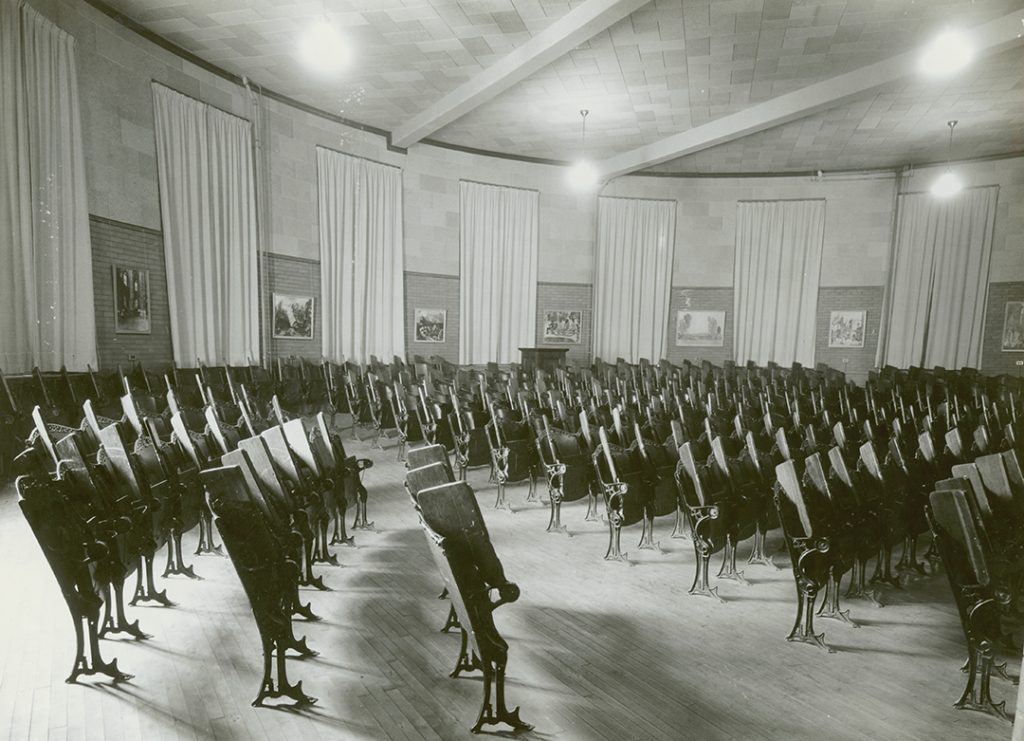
(45, 250)
(776, 273)
(633, 278)
(498, 272)
(938, 288)
(208, 213)
(361, 258)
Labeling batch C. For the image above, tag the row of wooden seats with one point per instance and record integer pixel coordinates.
(125, 487)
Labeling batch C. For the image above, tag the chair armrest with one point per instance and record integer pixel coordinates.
(508, 592)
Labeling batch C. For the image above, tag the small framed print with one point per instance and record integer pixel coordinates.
(846, 328)
(700, 328)
(430, 325)
(1013, 327)
(563, 327)
(131, 301)
(293, 317)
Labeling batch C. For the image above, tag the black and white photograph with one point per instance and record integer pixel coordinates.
(695, 328)
(293, 317)
(846, 328)
(1013, 327)
(430, 325)
(550, 370)
(563, 327)
(131, 301)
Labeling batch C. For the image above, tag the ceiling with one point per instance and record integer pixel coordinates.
(667, 67)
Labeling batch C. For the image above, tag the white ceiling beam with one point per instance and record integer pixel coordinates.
(988, 38)
(578, 25)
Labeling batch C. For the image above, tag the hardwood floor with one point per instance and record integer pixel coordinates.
(598, 650)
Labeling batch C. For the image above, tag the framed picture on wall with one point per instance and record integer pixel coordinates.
(700, 328)
(131, 301)
(293, 317)
(846, 328)
(563, 327)
(430, 325)
(1013, 327)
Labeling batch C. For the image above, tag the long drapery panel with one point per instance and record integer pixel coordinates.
(46, 290)
(633, 278)
(208, 212)
(361, 258)
(498, 272)
(938, 285)
(776, 272)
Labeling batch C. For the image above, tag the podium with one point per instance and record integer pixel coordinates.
(542, 358)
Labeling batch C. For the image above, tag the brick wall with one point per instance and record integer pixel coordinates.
(294, 276)
(706, 299)
(428, 291)
(993, 359)
(859, 360)
(567, 297)
(116, 243)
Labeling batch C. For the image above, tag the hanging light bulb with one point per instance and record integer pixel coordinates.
(582, 175)
(323, 47)
(947, 54)
(948, 184)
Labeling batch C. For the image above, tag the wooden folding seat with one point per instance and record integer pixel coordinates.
(349, 469)
(291, 387)
(72, 549)
(751, 471)
(1011, 461)
(883, 489)
(846, 531)
(658, 461)
(285, 498)
(914, 477)
(628, 495)
(187, 385)
(164, 457)
(852, 494)
(288, 538)
(308, 481)
(265, 572)
(124, 466)
(426, 455)
(513, 454)
(224, 438)
(428, 415)
(967, 566)
(120, 522)
(455, 527)
(805, 524)
(427, 476)
(566, 460)
(998, 510)
(995, 476)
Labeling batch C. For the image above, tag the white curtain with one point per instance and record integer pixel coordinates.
(775, 282)
(208, 212)
(46, 291)
(498, 272)
(938, 285)
(633, 278)
(361, 258)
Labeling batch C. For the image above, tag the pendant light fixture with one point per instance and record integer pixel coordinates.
(948, 184)
(582, 175)
(323, 48)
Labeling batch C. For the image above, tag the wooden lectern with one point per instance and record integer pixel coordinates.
(543, 358)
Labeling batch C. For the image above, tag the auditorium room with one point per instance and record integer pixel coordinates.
(612, 370)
